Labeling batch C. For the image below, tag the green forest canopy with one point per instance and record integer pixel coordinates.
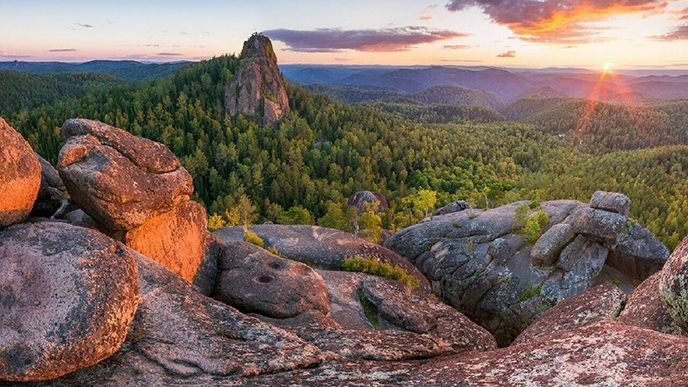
(324, 151)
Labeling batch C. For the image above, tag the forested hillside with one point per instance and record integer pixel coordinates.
(22, 90)
(324, 151)
(126, 69)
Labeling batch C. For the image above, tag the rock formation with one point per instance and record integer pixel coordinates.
(20, 176)
(67, 297)
(258, 88)
(137, 192)
(481, 263)
(320, 247)
(603, 302)
(673, 285)
(644, 308)
(120, 180)
(607, 353)
(255, 280)
(457, 206)
(360, 199)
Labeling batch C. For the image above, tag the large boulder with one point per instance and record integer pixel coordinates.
(255, 280)
(644, 308)
(178, 239)
(20, 176)
(120, 180)
(606, 353)
(603, 302)
(320, 247)
(258, 87)
(639, 254)
(611, 201)
(52, 191)
(67, 297)
(135, 190)
(480, 263)
(603, 226)
(361, 199)
(551, 243)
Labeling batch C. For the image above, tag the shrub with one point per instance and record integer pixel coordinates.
(216, 222)
(373, 266)
(273, 250)
(521, 215)
(533, 227)
(253, 238)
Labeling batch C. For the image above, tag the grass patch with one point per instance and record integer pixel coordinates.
(530, 291)
(373, 266)
(253, 238)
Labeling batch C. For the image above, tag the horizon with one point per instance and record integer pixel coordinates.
(659, 70)
(638, 35)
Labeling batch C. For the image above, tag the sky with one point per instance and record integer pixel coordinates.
(520, 33)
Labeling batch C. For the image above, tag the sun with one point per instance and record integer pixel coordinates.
(607, 67)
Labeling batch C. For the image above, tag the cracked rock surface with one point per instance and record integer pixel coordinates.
(480, 262)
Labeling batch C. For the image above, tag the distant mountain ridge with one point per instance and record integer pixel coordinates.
(128, 70)
(508, 85)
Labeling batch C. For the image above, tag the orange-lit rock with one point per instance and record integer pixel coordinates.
(176, 239)
(20, 176)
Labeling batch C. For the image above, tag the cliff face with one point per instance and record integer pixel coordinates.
(258, 88)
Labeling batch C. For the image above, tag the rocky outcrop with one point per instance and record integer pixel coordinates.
(361, 199)
(603, 302)
(645, 308)
(673, 285)
(258, 87)
(254, 280)
(319, 247)
(363, 302)
(137, 192)
(457, 206)
(51, 192)
(20, 176)
(67, 297)
(603, 226)
(179, 336)
(178, 239)
(119, 179)
(639, 254)
(606, 353)
(548, 247)
(611, 201)
(480, 262)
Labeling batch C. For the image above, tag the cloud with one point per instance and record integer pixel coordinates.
(14, 56)
(684, 14)
(458, 46)
(169, 54)
(85, 25)
(678, 33)
(428, 12)
(372, 40)
(508, 54)
(63, 50)
(556, 21)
